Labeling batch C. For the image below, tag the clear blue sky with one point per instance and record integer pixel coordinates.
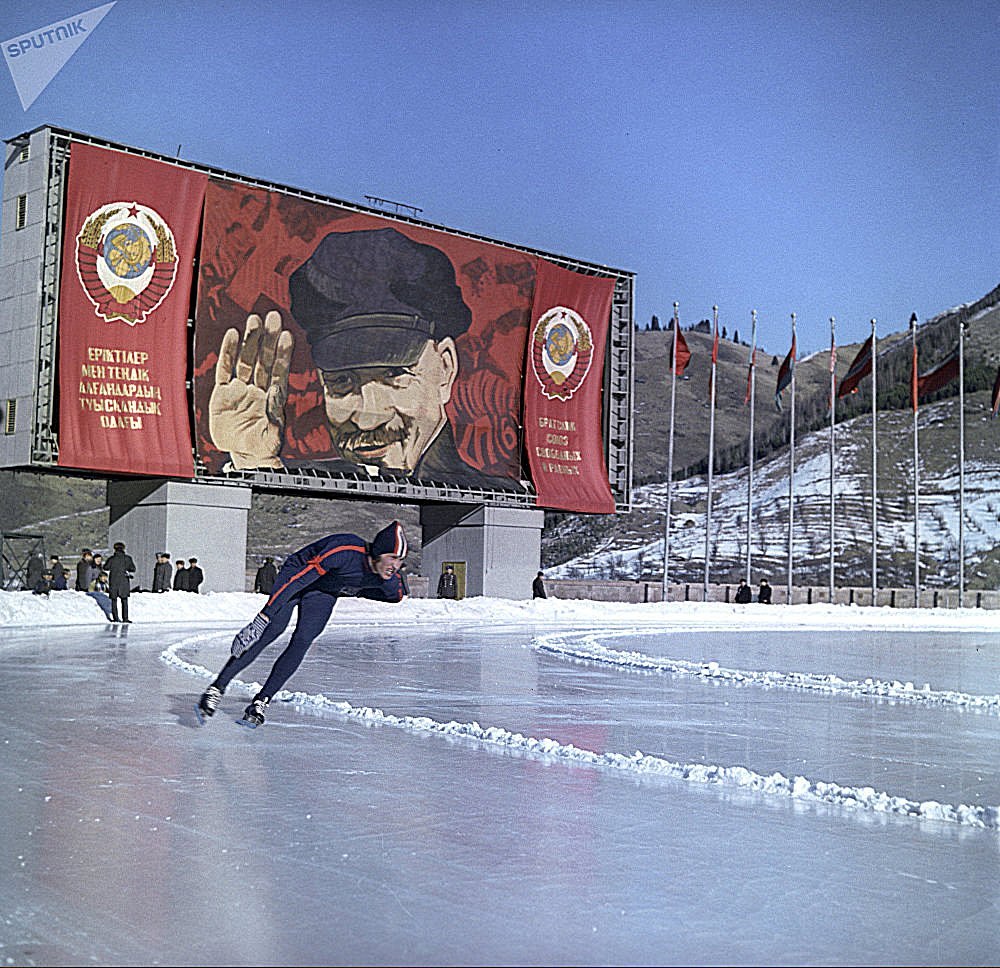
(822, 159)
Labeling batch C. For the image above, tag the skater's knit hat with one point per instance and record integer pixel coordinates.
(390, 541)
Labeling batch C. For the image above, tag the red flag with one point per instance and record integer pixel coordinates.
(753, 363)
(995, 402)
(128, 252)
(858, 370)
(940, 376)
(785, 372)
(683, 353)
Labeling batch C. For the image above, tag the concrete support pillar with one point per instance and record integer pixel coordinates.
(203, 521)
(498, 551)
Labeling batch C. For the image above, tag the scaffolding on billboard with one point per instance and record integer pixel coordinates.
(16, 551)
(618, 382)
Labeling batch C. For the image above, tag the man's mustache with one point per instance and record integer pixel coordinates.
(382, 436)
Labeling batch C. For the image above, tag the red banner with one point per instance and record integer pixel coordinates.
(130, 239)
(563, 388)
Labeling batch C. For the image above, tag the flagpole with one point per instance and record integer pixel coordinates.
(874, 468)
(961, 464)
(670, 455)
(916, 470)
(753, 394)
(833, 423)
(711, 448)
(791, 471)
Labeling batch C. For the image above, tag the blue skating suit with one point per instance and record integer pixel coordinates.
(312, 578)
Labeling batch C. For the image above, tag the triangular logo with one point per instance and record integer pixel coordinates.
(36, 57)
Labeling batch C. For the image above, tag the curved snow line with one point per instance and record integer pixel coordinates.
(591, 650)
(776, 784)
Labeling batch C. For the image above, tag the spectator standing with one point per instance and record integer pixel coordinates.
(34, 571)
(195, 576)
(162, 572)
(121, 569)
(447, 583)
(83, 567)
(743, 594)
(263, 582)
(180, 576)
(538, 587)
(764, 592)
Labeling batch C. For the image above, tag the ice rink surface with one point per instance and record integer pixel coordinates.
(468, 793)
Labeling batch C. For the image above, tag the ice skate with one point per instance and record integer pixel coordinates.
(249, 635)
(253, 715)
(208, 703)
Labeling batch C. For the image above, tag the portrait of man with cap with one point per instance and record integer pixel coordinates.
(381, 314)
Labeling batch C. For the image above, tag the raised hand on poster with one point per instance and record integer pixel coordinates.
(246, 412)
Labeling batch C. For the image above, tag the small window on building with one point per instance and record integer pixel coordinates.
(22, 212)
(25, 152)
(10, 417)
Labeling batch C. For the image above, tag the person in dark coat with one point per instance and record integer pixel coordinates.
(45, 584)
(538, 587)
(263, 582)
(448, 583)
(59, 583)
(180, 576)
(310, 581)
(764, 592)
(120, 568)
(162, 572)
(195, 576)
(743, 593)
(34, 571)
(83, 570)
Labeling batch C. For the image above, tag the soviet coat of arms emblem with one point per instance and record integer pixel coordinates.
(126, 259)
(562, 349)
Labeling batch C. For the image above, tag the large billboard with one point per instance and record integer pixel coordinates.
(211, 326)
(339, 340)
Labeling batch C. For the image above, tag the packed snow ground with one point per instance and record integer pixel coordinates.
(497, 782)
